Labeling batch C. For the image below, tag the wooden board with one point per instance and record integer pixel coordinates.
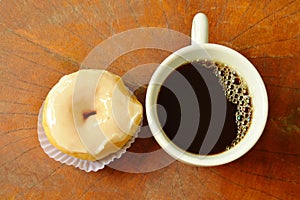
(40, 41)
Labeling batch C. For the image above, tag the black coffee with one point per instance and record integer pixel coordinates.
(204, 107)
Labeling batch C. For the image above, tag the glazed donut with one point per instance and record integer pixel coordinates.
(90, 114)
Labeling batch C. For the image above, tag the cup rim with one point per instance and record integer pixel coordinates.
(195, 159)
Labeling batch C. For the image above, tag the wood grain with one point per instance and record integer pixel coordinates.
(40, 41)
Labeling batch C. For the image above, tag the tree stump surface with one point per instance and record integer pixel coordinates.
(40, 41)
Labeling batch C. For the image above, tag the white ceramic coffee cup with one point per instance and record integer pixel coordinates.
(201, 49)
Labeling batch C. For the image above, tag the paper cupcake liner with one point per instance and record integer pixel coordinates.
(84, 165)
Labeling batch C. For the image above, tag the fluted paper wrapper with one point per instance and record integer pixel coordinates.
(84, 165)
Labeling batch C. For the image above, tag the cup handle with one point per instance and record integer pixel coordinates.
(199, 33)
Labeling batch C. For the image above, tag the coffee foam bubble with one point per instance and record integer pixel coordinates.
(236, 92)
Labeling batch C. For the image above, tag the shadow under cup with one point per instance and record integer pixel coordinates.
(245, 70)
